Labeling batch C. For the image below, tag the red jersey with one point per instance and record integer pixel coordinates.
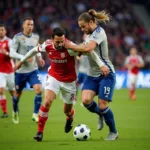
(5, 61)
(133, 61)
(62, 65)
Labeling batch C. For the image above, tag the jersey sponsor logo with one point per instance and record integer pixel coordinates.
(60, 61)
(62, 55)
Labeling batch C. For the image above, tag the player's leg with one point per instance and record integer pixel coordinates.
(68, 95)
(105, 96)
(20, 82)
(132, 81)
(69, 112)
(51, 90)
(80, 81)
(3, 101)
(35, 82)
(89, 90)
(37, 101)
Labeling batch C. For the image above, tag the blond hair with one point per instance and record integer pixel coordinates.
(100, 16)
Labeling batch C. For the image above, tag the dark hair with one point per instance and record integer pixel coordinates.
(27, 18)
(58, 32)
(2, 25)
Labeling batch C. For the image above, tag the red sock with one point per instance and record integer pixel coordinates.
(70, 116)
(132, 92)
(3, 103)
(43, 116)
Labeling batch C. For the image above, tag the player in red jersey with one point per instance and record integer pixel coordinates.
(61, 77)
(133, 63)
(6, 70)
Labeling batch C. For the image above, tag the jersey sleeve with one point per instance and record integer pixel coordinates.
(14, 47)
(43, 47)
(126, 61)
(9, 42)
(72, 52)
(141, 60)
(98, 36)
(15, 43)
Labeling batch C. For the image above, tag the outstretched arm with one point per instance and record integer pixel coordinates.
(31, 53)
(89, 47)
(14, 54)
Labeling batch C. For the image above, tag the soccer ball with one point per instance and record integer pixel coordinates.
(81, 132)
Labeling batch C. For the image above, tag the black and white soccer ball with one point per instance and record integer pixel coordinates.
(81, 132)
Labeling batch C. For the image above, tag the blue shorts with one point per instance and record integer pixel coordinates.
(102, 86)
(22, 78)
(81, 77)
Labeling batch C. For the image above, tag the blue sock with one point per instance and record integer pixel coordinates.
(37, 103)
(15, 104)
(109, 119)
(93, 107)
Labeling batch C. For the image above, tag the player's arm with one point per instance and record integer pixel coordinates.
(28, 55)
(89, 47)
(127, 64)
(96, 58)
(141, 62)
(40, 60)
(13, 49)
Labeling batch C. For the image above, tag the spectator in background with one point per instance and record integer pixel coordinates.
(125, 25)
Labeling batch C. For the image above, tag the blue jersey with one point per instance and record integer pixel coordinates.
(99, 36)
(95, 81)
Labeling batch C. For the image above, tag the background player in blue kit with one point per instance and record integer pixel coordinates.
(22, 43)
(100, 78)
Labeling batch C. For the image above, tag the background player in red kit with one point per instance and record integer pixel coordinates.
(6, 70)
(133, 63)
(61, 77)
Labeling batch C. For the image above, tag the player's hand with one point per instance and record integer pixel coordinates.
(41, 62)
(18, 65)
(104, 70)
(30, 60)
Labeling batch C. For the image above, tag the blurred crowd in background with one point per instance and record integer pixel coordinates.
(123, 31)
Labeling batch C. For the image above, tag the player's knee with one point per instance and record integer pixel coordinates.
(18, 94)
(103, 104)
(48, 102)
(86, 99)
(38, 90)
(2, 91)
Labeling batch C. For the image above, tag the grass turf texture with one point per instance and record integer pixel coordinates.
(132, 120)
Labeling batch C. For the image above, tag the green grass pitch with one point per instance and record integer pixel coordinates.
(132, 121)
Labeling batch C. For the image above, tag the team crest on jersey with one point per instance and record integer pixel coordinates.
(23, 39)
(62, 55)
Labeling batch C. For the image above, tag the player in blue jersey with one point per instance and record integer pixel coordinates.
(100, 78)
(22, 43)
